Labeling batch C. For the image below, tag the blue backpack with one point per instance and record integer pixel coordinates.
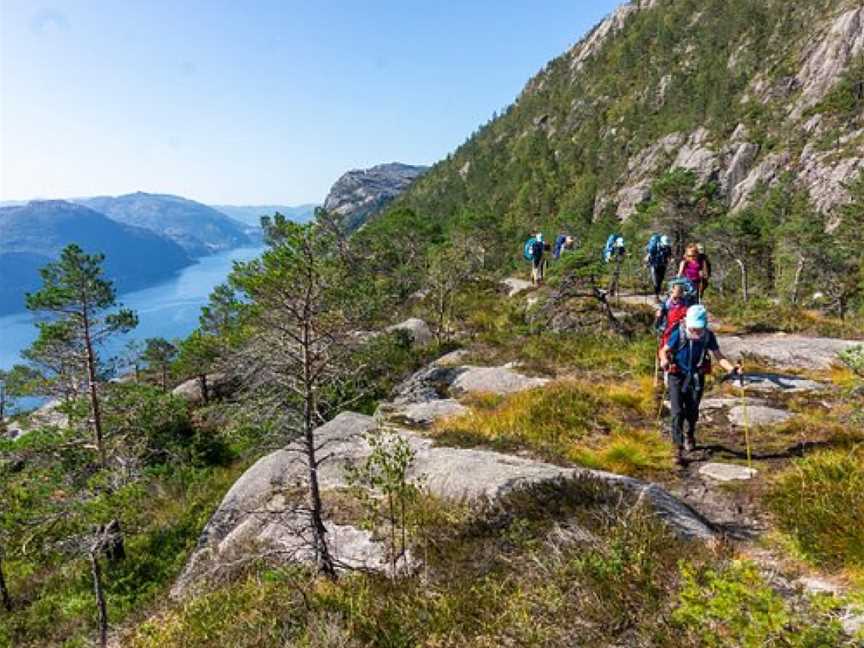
(559, 244)
(528, 250)
(653, 247)
(610, 248)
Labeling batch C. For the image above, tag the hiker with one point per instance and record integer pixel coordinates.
(692, 267)
(563, 243)
(614, 252)
(658, 252)
(537, 259)
(685, 359)
(682, 295)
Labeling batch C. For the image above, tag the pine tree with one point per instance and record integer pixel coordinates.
(77, 298)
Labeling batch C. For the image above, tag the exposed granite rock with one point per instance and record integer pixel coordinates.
(739, 166)
(825, 177)
(695, 155)
(257, 517)
(361, 193)
(514, 286)
(218, 386)
(827, 58)
(726, 472)
(766, 383)
(763, 174)
(742, 415)
(421, 334)
(782, 350)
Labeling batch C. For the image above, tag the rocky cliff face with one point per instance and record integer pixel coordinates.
(743, 93)
(361, 193)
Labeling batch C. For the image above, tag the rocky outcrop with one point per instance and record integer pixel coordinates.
(827, 58)
(362, 193)
(763, 174)
(697, 155)
(218, 386)
(262, 517)
(791, 351)
(825, 177)
(745, 415)
(591, 44)
(514, 286)
(416, 329)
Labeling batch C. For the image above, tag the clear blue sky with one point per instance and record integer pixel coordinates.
(254, 102)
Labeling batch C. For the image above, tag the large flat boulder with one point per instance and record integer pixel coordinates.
(744, 415)
(258, 516)
(514, 286)
(417, 330)
(723, 472)
(493, 380)
(218, 386)
(782, 350)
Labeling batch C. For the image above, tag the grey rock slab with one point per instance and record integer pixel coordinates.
(515, 286)
(726, 472)
(782, 350)
(722, 402)
(495, 380)
(256, 517)
(190, 390)
(452, 359)
(742, 415)
(421, 414)
(421, 334)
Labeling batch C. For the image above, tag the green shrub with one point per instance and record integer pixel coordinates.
(731, 606)
(819, 502)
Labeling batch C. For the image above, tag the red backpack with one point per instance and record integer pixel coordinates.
(674, 315)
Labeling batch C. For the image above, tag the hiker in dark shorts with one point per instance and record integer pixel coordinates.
(686, 360)
(538, 262)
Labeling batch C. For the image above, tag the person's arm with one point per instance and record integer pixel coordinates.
(722, 360)
(666, 350)
(681, 268)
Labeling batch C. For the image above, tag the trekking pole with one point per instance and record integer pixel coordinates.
(746, 420)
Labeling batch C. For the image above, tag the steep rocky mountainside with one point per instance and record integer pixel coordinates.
(744, 93)
(360, 193)
(33, 235)
(197, 228)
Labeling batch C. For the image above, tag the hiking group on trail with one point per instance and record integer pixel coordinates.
(686, 343)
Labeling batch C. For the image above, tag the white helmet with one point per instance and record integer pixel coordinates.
(539, 236)
(619, 242)
(664, 240)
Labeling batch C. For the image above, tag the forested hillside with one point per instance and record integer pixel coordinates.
(700, 107)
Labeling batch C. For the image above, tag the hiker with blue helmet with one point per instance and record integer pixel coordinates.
(535, 248)
(685, 357)
(657, 255)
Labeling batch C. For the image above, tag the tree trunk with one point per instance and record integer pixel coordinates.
(4, 591)
(319, 531)
(94, 396)
(137, 373)
(796, 283)
(745, 280)
(164, 378)
(2, 401)
(205, 396)
(96, 570)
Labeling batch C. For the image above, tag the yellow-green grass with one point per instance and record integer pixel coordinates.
(544, 568)
(819, 503)
(600, 425)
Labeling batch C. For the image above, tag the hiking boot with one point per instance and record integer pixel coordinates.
(679, 457)
(689, 443)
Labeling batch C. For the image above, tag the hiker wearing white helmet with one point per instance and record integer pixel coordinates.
(686, 360)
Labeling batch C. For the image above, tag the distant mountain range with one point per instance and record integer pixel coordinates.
(251, 214)
(32, 235)
(145, 237)
(362, 193)
(197, 228)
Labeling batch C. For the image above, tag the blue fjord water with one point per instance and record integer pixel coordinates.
(169, 309)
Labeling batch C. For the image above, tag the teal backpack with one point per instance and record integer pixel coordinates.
(528, 250)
